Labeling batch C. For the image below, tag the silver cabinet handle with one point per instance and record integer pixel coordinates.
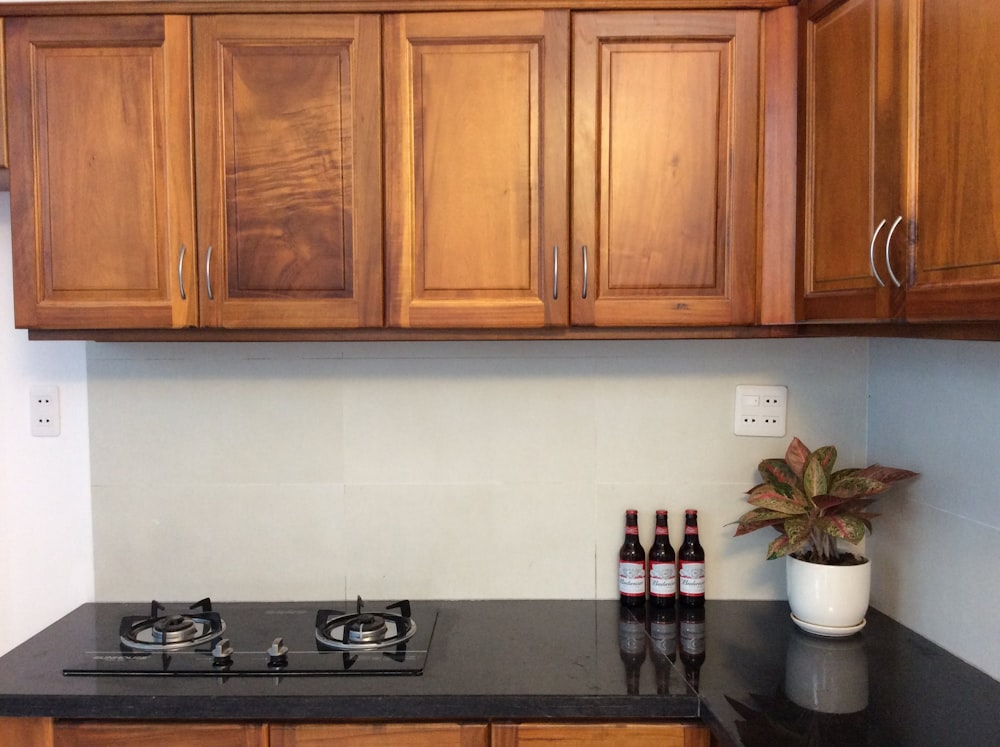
(180, 272)
(555, 272)
(584, 271)
(888, 239)
(871, 253)
(208, 272)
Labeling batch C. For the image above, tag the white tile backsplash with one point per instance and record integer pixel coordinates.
(437, 470)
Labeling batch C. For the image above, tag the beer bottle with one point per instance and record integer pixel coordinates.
(662, 566)
(632, 564)
(691, 559)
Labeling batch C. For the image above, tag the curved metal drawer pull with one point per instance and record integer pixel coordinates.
(180, 272)
(208, 272)
(888, 239)
(555, 272)
(871, 253)
(584, 271)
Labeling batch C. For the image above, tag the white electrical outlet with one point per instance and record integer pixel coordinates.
(44, 410)
(760, 410)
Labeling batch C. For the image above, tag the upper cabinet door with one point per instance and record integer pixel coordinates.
(852, 152)
(956, 255)
(476, 169)
(101, 183)
(288, 116)
(665, 110)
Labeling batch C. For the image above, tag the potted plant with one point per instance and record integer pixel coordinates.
(813, 507)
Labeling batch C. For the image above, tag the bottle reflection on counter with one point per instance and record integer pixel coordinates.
(663, 644)
(632, 644)
(692, 637)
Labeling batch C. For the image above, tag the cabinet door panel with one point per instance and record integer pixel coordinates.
(665, 168)
(476, 172)
(289, 170)
(852, 156)
(101, 189)
(956, 267)
(140, 734)
(378, 735)
(605, 735)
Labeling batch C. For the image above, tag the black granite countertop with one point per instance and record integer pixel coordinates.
(756, 681)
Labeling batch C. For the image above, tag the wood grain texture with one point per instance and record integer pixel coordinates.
(956, 161)
(101, 170)
(476, 183)
(26, 732)
(665, 168)
(379, 735)
(288, 111)
(158, 734)
(605, 735)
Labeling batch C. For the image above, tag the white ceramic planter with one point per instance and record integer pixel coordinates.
(829, 596)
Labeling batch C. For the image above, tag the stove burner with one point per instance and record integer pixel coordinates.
(363, 631)
(174, 631)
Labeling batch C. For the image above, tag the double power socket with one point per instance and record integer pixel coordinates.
(43, 407)
(760, 410)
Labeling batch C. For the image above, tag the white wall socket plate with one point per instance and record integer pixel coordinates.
(760, 410)
(43, 407)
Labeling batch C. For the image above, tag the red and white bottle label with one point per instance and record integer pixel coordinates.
(662, 579)
(632, 578)
(692, 578)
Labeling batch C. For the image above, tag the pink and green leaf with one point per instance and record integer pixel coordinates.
(774, 498)
(796, 456)
(777, 472)
(850, 528)
(814, 479)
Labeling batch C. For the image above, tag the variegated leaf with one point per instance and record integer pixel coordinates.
(777, 472)
(797, 529)
(796, 456)
(814, 479)
(850, 528)
(887, 475)
(774, 500)
(778, 547)
(853, 485)
(758, 519)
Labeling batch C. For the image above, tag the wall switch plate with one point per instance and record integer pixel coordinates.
(44, 410)
(760, 410)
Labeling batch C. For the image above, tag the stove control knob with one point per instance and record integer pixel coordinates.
(277, 654)
(222, 653)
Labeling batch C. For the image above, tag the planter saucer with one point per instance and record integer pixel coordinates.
(827, 630)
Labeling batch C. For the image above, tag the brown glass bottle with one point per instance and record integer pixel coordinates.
(662, 565)
(632, 564)
(691, 564)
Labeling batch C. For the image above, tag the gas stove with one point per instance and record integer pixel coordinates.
(244, 639)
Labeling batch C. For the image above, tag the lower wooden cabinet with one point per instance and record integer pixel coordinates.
(379, 735)
(45, 732)
(605, 734)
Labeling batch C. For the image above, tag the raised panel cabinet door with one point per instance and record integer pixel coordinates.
(665, 177)
(852, 156)
(476, 169)
(289, 170)
(956, 257)
(601, 735)
(157, 734)
(379, 735)
(102, 211)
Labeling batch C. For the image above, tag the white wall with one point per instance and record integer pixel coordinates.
(448, 470)
(46, 551)
(935, 408)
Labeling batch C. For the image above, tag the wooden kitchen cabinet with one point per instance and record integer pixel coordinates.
(379, 735)
(601, 734)
(289, 170)
(664, 165)
(901, 107)
(852, 154)
(665, 142)
(101, 181)
(287, 113)
(157, 734)
(476, 178)
(956, 206)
